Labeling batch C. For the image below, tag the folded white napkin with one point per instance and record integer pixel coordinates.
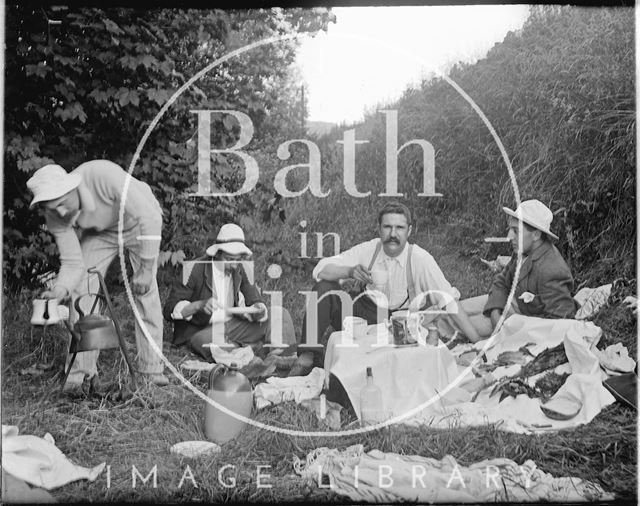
(38, 461)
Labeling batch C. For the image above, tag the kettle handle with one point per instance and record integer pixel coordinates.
(76, 304)
(217, 369)
(74, 333)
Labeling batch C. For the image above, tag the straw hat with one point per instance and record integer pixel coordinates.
(51, 182)
(534, 213)
(230, 240)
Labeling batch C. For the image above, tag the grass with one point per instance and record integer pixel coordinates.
(140, 431)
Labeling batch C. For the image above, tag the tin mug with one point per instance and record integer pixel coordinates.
(403, 323)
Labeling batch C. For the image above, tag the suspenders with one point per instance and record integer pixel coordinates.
(411, 288)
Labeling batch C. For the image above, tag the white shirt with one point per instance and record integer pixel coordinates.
(426, 272)
(222, 290)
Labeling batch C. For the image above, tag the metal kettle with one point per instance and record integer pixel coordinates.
(93, 331)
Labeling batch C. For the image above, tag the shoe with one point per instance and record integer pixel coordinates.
(38, 312)
(157, 379)
(302, 366)
(97, 387)
(286, 363)
(259, 368)
(74, 384)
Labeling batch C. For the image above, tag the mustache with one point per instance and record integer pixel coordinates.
(392, 239)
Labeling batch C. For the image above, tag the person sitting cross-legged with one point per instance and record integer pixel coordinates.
(410, 276)
(216, 287)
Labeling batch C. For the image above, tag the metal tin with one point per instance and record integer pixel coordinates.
(399, 329)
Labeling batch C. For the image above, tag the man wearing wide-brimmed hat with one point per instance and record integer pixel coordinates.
(82, 210)
(545, 283)
(218, 295)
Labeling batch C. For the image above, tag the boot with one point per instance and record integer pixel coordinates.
(303, 365)
(158, 379)
(39, 306)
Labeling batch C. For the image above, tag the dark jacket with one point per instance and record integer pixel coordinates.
(199, 287)
(546, 275)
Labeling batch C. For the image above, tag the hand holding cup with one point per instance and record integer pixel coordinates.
(379, 278)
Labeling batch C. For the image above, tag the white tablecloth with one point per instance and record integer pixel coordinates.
(407, 376)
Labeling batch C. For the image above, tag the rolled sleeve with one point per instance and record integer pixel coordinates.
(323, 263)
(358, 255)
(71, 262)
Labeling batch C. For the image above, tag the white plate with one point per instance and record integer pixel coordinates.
(195, 449)
(243, 310)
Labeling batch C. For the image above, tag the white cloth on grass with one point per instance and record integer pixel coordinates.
(408, 377)
(293, 388)
(389, 477)
(38, 461)
(521, 413)
(591, 300)
(615, 359)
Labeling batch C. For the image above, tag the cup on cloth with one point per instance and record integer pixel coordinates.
(355, 326)
(406, 326)
(400, 328)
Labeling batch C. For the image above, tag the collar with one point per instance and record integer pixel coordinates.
(401, 259)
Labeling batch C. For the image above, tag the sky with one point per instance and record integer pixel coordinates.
(371, 54)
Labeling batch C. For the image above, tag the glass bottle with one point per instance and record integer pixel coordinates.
(371, 411)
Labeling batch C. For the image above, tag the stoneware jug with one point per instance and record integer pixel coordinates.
(231, 389)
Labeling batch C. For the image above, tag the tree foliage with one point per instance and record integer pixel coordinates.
(85, 83)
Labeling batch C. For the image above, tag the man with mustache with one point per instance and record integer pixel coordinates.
(410, 272)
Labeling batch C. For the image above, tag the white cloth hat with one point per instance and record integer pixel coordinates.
(51, 182)
(231, 240)
(534, 213)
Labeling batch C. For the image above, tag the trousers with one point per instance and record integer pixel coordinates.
(245, 333)
(98, 250)
(329, 314)
(473, 306)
